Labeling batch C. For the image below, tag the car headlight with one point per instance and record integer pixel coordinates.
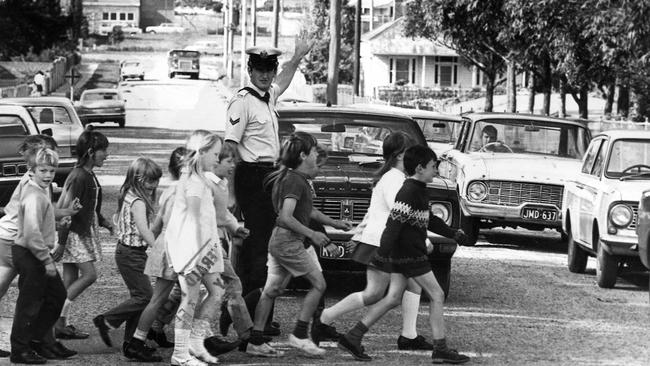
(441, 210)
(621, 215)
(477, 191)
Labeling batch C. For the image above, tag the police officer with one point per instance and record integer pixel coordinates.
(252, 125)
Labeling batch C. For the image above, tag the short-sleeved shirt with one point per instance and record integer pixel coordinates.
(294, 185)
(253, 125)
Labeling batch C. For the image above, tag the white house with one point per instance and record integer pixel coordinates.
(388, 59)
(107, 13)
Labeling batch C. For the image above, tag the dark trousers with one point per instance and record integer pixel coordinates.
(130, 262)
(259, 217)
(39, 303)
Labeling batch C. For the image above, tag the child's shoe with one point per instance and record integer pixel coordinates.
(263, 350)
(448, 355)
(191, 361)
(305, 345)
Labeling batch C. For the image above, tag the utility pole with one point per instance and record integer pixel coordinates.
(372, 14)
(242, 76)
(276, 22)
(335, 43)
(357, 48)
(226, 31)
(254, 21)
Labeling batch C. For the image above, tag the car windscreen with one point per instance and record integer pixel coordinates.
(49, 114)
(357, 138)
(629, 157)
(436, 130)
(529, 137)
(99, 96)
(184, 54)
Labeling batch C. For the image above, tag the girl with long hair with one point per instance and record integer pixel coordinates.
(288, 256)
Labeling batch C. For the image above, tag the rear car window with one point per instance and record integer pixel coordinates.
(49, 114)
(12, 125)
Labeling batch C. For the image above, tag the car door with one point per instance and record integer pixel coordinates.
(587, 188)
(449, 164)
(57, 119)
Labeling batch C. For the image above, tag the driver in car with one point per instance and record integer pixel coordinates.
(489, 140)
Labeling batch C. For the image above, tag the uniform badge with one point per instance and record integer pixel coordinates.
(234, 121)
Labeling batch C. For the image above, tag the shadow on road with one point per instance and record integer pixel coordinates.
(538, 241)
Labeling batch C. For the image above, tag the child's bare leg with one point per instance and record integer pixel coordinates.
(275, 284)
(205, 314)
(394, 297)
(310, 303)
(436, 305)
(77, 277)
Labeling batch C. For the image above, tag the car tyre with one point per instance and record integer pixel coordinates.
(606, 268)
(171, 75)
(121, 123)
(152, 32)
(576, 256)
(470, 226)
(195, 76)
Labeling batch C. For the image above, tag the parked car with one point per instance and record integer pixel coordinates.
(101, 105)
(127, 28)
(354, 140)
(643, 230)
(510, 169)
(183, 62)
(206, 47)
(131, 69)
(15, 125)
(440, 130)
(165, 28)
(601, 202)
(57, 117)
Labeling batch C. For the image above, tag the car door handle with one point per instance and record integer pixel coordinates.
(580, 186)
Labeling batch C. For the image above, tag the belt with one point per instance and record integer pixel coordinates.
(142, 248)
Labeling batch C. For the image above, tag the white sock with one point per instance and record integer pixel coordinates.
(349, 303)
(410, 309)
(65, 311)
(140, 334)
(181, 344)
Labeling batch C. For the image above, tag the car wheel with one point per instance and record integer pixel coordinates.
(576, 256)
(195, 76)
(470, 226)
(442, 270)
(152, 32)
(141, 77)
(171, 75)
(606, 268)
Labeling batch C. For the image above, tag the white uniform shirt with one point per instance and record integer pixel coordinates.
(253, 125)
(381, 202)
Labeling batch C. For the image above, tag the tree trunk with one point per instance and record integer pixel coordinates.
(489, 91)
(511, 87)
(357, 49)
(276, 22)
(640, 111)
(546, 108)
(562, 113)
(610, 88)
(531, 93)
(583, 102)
(335, 45)
(623, 103)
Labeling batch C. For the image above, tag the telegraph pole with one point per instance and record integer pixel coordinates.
(276, 22)
(335, 43)
(254, 22)
(357, 48)
(242, 76)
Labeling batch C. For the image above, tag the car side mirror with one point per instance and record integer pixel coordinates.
(47, 131)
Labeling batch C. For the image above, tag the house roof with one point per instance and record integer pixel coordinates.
(98, 3)
(376, 3)
(388, 39)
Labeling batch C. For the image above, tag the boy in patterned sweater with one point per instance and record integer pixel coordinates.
(403, 253)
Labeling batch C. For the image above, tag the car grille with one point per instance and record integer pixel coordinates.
(352, 209)
(505, 193)
(635, 216)
(9, 169)
(185, 65)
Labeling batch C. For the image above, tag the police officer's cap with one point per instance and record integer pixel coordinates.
(263, 58)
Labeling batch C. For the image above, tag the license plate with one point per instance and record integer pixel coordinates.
(342, 253)
(540, 214)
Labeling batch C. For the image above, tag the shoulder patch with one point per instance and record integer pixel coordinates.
(234, 121)
(242, 92)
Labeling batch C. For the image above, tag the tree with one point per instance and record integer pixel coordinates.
(470, 27)
(31, 26)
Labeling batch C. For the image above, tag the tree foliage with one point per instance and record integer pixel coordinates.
(31, 26)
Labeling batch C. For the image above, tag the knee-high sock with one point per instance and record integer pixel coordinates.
(410, 309)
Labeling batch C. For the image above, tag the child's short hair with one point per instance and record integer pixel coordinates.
(176, 162)
(227, 151)
(32, 143)
(89, 142)
(417, 155)
(44, 156)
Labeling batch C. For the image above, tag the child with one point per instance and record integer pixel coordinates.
(41, 291)
(158, 266)
(79, 246)
(403, 252)
(195, 252)
(391, 177)
(288, 257)
(9, 222)
(134, 210)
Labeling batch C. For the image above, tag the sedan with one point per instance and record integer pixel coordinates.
(130, 69)
(101, 105)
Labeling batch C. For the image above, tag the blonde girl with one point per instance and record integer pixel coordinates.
(194, 251)
(134, 212)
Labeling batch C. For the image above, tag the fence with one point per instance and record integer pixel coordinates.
(54, 78)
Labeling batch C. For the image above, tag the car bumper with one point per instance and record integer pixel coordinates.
(624, 244)
(508, 214)
(107, 117)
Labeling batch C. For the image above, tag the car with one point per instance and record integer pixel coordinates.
(105, 28)
(165, 28)
(57, 117)
(183, 62)
(344, 185)
(101, 105)
(510, 169)
(206, 47)
(15, 124)
(643, 230)
(440, 130)
(131, 69)
(601, 203)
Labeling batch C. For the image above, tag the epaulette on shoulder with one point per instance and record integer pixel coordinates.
(243, 92)
(239, 95)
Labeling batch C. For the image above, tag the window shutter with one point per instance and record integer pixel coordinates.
(390, 72)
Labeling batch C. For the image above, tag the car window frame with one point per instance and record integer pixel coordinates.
(604, 148)
(460, 143)
(596, 143)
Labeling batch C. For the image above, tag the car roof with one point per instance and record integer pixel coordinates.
(101, 90)
(303, 109)
(527, 116)
(411, 112)
(625, 134)
(40, 101)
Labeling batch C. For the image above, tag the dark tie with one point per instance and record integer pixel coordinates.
(265, 98)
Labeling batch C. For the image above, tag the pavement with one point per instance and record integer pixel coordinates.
(86, 70)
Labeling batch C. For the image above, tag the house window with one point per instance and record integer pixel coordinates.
(129, 16)
(446, 71)
(402, 71)
(122, 16)
(105, 16)
(113, 16)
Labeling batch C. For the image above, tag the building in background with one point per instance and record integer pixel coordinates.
(104, 14)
